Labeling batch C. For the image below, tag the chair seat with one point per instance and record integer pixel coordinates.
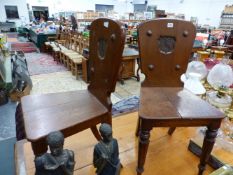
(48, 43)
(174, 103)
(56, 49)
(75, 56)
(70, 52)
(77, 60)
(64, 50)
(57, 111)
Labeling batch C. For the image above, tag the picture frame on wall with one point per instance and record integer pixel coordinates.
(11, 12)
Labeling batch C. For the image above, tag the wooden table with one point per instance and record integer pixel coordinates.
(219, 48)
(218, 158)
(127, 69)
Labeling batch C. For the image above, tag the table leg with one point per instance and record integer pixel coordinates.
(122, 67)
(207, 147)
(138, 63)
(144, 137)
(171, 130)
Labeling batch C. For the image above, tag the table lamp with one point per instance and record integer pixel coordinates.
(196, 71)
(220, 78)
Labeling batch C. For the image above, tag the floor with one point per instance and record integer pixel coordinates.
(48, 83)
(167, 155)
(164, 147)
(65, 81)
(7, 120)
(59, 82)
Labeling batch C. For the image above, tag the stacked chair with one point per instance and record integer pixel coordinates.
(67, 49)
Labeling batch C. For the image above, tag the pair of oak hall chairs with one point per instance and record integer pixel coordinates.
(164, 46)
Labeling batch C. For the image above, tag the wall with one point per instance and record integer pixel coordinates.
(80, 5)
(22, 10)
(207, 11)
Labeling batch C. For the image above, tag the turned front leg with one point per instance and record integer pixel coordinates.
(144, 137)
(207, 147)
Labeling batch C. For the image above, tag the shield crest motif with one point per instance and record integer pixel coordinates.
(166, 44)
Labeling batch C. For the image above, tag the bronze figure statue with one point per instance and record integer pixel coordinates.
(59, 162)
(106, 153)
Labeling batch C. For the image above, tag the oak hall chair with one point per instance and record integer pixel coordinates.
(75, 111)
(164, 47)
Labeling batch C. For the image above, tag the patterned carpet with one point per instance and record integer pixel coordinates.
(126, 105)
(26, 47)
(41, 63)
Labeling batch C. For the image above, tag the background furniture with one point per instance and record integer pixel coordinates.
(72, 112)
(5, 69)
(7, 27)
(39, 38)
(162, 102)
(127, 69)
(22, 83)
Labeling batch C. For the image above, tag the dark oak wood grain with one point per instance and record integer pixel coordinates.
(72, 112)
(164, 47)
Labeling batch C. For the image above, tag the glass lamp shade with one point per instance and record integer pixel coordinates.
(194, 85)
(196, 67)
(220, 75)
(221, 42)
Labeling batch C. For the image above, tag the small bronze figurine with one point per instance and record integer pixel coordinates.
(106, 153)
(59, 162)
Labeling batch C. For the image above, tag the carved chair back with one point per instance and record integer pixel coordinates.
(84, 43)
(165, 46)
(58, 34)
(72, 41)
(78, 44)
(65, 36)
(106, 47)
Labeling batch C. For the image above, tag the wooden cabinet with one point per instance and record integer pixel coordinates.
(127, 69)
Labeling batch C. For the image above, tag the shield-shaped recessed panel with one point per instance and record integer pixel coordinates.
(166, 44)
